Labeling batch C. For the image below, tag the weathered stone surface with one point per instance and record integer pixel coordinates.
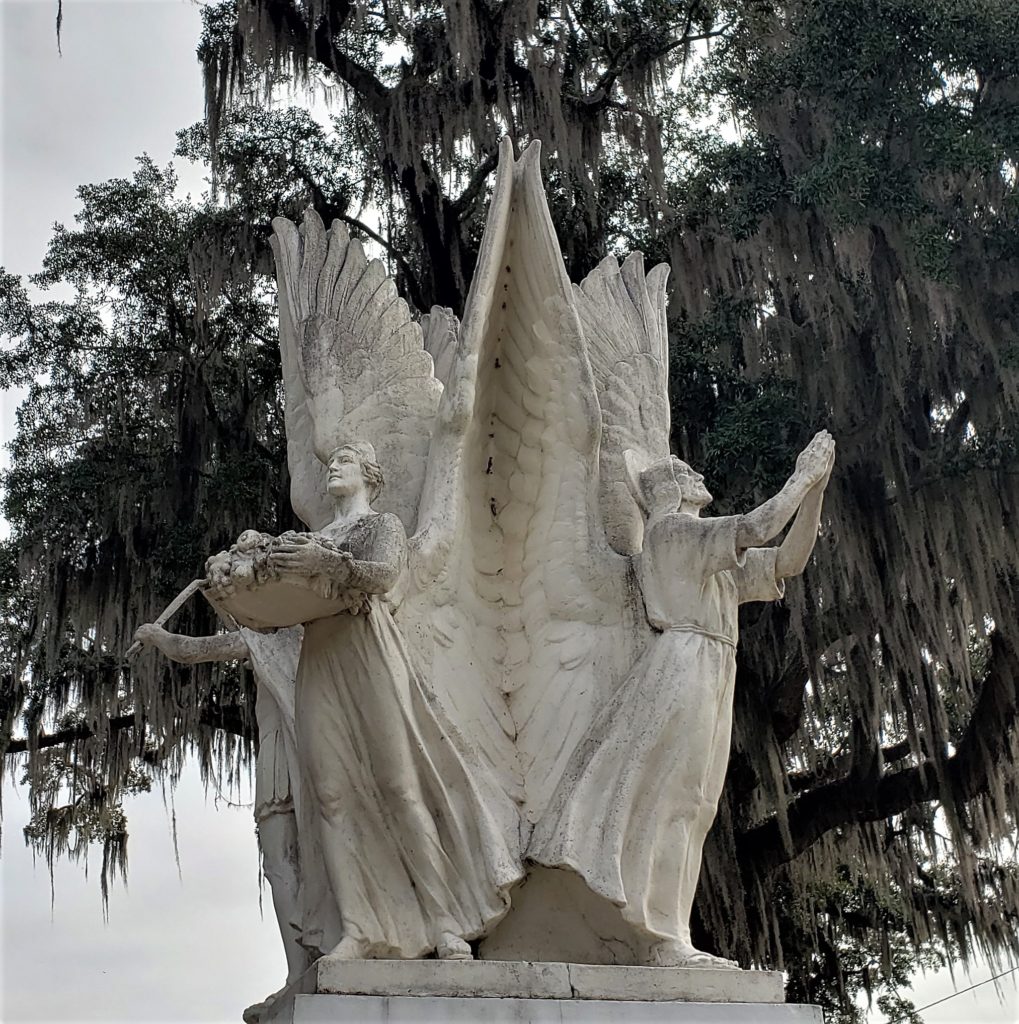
(494, 979)
(332, 1009)
(480, 978)
(420, 991)
(656, 984)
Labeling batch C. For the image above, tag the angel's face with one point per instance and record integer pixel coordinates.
(345, 475)
(695, 494)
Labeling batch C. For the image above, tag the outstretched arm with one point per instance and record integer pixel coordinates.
(768, 520)
(191, 650)
(795, 550)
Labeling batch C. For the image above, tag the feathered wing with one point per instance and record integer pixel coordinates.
(354, 368)
(441, 332)
(521, 615)
(452, 631)
(307, 473)
(622, 315)
(532, 597)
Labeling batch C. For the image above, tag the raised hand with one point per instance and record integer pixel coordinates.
(815, 462)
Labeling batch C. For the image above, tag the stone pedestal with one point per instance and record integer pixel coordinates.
(494, 992)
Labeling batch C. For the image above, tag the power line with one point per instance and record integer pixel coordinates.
(960, 992)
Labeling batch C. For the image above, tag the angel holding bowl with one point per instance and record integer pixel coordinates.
(413, 857)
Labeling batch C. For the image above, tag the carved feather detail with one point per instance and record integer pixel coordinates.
(622, 311)
(519, 611)
(355, 367)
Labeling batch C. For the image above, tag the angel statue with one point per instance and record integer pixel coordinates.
(471, 624)
(273, 658)
(409, 804)
(413, 852)
(635, 804)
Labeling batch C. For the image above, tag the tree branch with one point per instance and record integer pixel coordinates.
(55, 739)
(317, 41)
(372, 93)
(229, 717)
(837, 767)
(850, 800)
(598, 97)
(476, 184)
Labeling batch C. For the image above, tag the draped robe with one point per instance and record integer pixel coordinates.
(640, 792)
(410, 822)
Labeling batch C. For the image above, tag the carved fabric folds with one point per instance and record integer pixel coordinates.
(274, 658)
(641, 789)
(407, 815)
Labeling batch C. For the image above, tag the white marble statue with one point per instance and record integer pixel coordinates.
(635, 804)
(273, 658)
(415, 855)
(504, 637)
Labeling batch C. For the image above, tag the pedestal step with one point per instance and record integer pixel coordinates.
(523, 980)
(495, 991)
(332, 1009)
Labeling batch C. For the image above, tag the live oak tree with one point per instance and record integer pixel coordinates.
(834, 185)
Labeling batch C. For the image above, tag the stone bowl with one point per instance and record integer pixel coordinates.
(242, 582)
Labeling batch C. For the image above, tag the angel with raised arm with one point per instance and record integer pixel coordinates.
(623, 712)
(639, 796)
(273, 659)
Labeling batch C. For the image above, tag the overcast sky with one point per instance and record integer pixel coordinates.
(188, 945)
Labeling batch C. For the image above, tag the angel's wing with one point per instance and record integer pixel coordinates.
(354, 368)
(453, 633)
(441, 330)
(546, 614)
(622, 315)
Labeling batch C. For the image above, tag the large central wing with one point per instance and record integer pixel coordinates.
(451, 629)
(354, 368)
(557, 611)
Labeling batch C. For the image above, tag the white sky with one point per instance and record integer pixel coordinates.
(192, 945)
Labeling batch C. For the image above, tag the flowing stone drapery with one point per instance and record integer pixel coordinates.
(406, 812)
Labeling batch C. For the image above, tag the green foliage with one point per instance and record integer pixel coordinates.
(858, 949)
(151, 432)
(743, 432)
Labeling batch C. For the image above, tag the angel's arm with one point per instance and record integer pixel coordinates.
(192, 650)
(376, 574)
(379, 573)
(794, 551)
(768, 520)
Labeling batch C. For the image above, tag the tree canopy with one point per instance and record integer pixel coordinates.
(835, 186)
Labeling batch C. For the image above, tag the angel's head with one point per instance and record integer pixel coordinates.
(352, 467)
(652, 483)
(691, 485)
(664, 485)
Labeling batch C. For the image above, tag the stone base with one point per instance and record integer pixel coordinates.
(325, 1009)
(493, 992)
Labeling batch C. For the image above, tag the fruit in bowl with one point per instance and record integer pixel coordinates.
(245, 581)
